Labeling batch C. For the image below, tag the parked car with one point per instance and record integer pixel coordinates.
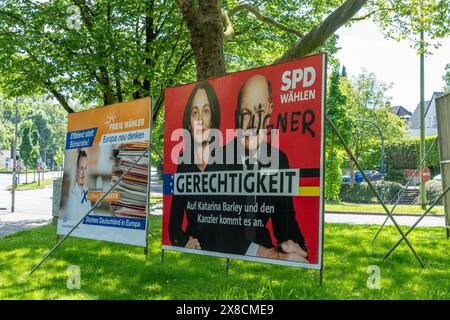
(438, 177)
(371, 174)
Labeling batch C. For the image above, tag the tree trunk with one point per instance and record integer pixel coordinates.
(317, 36)
(352, 173)
(60, 97)
(105, 83)
(150, 35)
(204, 22)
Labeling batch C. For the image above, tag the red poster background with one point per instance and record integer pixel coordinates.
(302, 150)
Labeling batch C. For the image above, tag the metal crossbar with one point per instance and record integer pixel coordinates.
(417, 222)
(93, 207)
(347, 149)
(403, 191)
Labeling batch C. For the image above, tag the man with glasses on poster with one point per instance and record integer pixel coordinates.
(254, 107)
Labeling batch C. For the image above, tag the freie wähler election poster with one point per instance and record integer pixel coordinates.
(101, 145)
(243, 165)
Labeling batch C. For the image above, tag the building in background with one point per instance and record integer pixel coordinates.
(401, 112)
(430, 118)
(5, 158)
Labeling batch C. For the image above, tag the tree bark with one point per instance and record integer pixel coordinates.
(105, 83)
(204, 21)
(352, 173)
(118, 82)
(61, 99)
(150, 35)
(317, 37)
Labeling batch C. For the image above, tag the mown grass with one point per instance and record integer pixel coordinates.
(377, 208)
(115, 271)
(32, 185)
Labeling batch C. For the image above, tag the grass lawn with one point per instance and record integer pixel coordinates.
(156, 198)
(114, 271)
(377, 208)
(32, 185)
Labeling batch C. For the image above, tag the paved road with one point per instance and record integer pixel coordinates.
(428, 221)
(32, 201)
(14, 222)
(34, 208)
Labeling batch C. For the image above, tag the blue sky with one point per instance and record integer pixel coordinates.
(363, 45)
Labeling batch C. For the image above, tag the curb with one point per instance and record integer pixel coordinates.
(383, 214)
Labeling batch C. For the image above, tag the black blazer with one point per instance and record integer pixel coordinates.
(234, 239)
(285, 226)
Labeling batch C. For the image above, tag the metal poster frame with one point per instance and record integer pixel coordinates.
(61, 240)
(321, 216)
(350, 154)
(149, 181)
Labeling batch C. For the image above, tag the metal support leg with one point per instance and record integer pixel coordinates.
(416, 223)
(321, 275)
(403, 191)
(347, 149)
(92, 209)
(227, 266)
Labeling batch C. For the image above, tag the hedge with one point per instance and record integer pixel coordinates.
(405, 154)
(434, 190)
(361, 193)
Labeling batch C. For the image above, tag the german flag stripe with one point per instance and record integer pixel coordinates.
(309, 191)
(309, 182)
(310, 173)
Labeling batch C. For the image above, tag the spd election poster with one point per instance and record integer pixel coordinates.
(243, 169)
(101, 144)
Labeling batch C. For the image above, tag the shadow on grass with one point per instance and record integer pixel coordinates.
(115, 271)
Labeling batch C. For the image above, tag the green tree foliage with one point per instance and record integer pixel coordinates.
(99, 52)
(333, 175)
(93, 52)
(446, 78)
(403, 20)
(59, 157)
(405, 153)
(336, 103)
(6, 124)
(6, 131)
(47, 117)
(371, 91)
(26, 147)
(336, 109)
(267, 39)
(368, 105)
(361, 192)
(44, 130)
(158, 144)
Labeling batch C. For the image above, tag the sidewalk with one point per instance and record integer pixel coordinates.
(33, 208)
(12, 222)
(376, 219)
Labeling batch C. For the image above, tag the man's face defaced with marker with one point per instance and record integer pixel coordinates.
(81, 171)
(256, 107)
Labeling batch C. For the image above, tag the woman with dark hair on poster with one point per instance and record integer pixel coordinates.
(202, 113)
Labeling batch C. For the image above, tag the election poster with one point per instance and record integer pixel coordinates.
(101, 145)
(243, 165)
